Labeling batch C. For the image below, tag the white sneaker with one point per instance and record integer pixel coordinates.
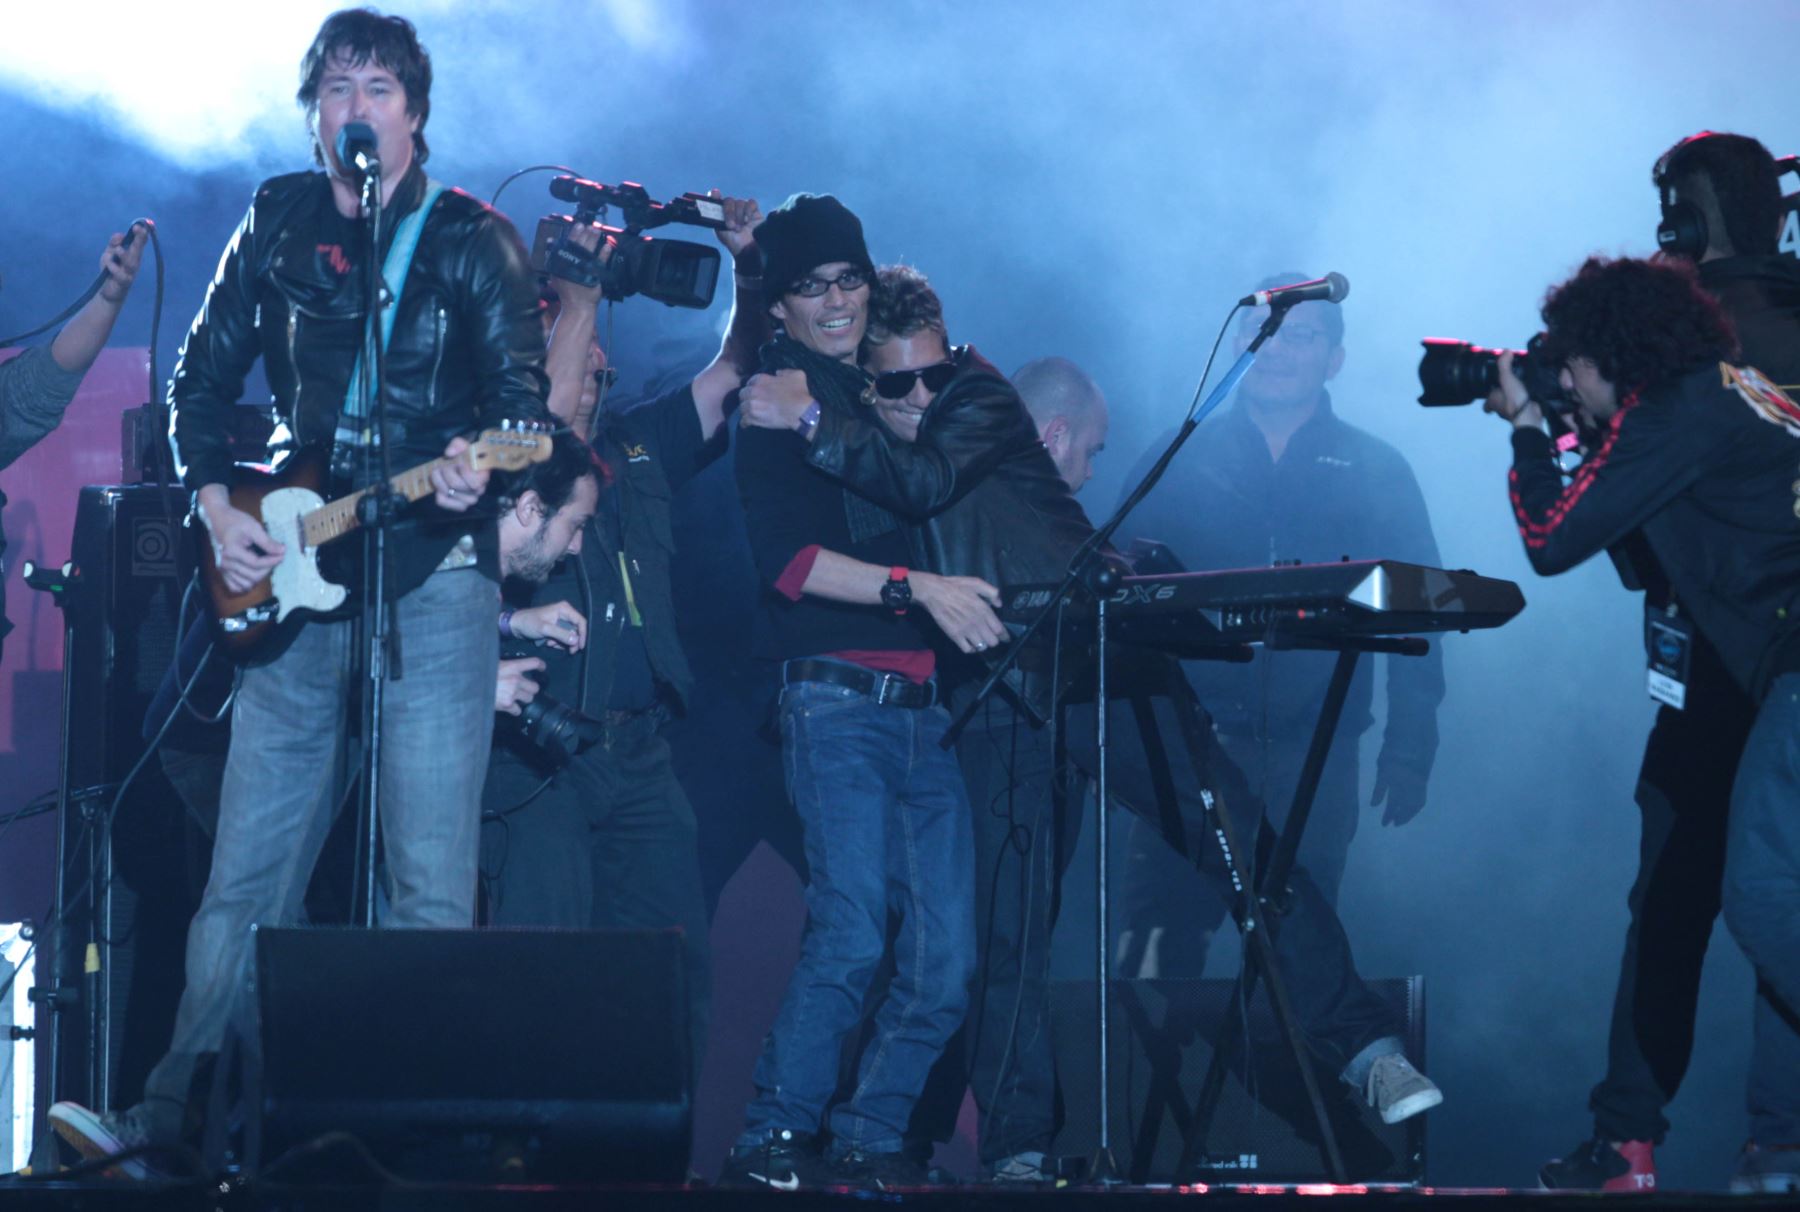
(1399, 1091)
(101, 1135)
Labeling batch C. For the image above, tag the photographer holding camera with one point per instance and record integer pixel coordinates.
(585, 825)
(1721, 209)
(1699, 457)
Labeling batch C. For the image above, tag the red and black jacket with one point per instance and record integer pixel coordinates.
(1708, 464)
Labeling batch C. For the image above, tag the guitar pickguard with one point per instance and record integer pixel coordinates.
(296, 581)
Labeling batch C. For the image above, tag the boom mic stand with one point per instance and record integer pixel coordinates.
(375, 511)
(1090, 573)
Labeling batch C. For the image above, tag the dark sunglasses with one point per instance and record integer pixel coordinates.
(895, 384)
(810, 287)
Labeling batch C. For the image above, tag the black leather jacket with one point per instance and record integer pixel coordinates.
(467, 347)
(986, 498)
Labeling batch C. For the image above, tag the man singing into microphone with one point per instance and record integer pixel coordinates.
(465, 351)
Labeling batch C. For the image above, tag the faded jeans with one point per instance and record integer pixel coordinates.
(886, 826)
(1762, 906)
(285, 774)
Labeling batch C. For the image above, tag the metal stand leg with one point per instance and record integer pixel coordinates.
(1104, 1167)
(1267, 891)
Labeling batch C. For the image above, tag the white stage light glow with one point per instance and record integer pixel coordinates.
(210, 81)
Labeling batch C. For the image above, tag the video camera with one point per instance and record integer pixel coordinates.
(678, 273)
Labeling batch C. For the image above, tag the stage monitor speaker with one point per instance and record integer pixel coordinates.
(1262, 1130)
(474, 1055)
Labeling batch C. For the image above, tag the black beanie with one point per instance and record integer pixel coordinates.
(803, 233)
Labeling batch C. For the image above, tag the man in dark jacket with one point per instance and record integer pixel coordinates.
(605, 837)
(986, 497)
(1724, 197)
(466, 351)
(1700, 454)
(1280, 476)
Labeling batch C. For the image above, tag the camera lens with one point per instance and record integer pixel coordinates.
(1456, 372)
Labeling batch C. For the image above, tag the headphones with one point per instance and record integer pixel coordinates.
(1682, 232)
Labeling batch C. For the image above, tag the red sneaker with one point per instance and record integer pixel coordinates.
(1603, 1165)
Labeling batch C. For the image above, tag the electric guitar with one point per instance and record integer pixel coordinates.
(291, 509)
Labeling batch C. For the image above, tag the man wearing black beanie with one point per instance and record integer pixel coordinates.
(883, 812)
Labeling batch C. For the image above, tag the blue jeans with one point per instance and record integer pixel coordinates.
(283, 778)
(1762, 905)
(886, 827)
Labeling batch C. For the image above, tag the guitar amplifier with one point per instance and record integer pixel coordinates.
(123, 618)
(1263, 1130)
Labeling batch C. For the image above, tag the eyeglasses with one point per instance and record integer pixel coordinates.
(810, 287)
(897, 384)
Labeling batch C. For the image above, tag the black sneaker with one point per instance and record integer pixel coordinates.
(1602, 1165)
(879, 1171)
(787, 1161)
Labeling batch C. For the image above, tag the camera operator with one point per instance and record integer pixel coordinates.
(607, 839)
(958, 455)
(1700, 455)
(37, 385)
(1722, 205)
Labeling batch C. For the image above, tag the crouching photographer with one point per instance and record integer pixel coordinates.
(1696, 456)
(585, 824)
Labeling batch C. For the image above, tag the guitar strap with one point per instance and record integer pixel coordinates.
(354, 423)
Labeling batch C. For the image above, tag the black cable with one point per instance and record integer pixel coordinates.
(1200, 391)
(329, 1140)
(87, 296)
(191, 1159)
(534, 168)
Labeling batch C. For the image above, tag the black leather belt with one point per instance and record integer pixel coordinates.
(887, 689)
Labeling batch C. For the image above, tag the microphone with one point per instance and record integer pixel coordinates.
(356, 148)
(1332, 288)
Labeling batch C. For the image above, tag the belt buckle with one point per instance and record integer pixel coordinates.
(881, 689)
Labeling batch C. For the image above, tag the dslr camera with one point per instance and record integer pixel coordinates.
(1456, 372)
(550, 730)
(678, 273)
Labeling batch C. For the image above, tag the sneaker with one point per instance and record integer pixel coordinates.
(879, 1171)
(1602, 1165)
(787, 1161)
(1398, 1090)
(100, 1135)
(1026, 1168)
(1767, 1170)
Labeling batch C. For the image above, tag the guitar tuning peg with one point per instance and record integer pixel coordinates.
(506, 424)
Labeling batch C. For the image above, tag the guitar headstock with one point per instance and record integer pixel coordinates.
(514, 445)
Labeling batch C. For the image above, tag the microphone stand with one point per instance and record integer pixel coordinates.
(375, 511)
(1088, 570)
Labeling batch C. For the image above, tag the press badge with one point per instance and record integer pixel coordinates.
(1669, 640)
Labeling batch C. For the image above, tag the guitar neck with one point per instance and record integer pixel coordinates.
(335, 519)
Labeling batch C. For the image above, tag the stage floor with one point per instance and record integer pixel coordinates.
(145, 1197)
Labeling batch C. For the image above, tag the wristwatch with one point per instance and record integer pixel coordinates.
(896, 595)
(809, 421)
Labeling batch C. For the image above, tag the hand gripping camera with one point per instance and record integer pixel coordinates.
(678, 273)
